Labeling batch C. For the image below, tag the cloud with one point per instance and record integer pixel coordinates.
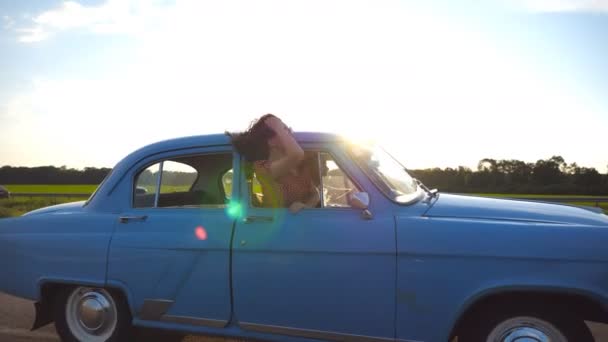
(32, 35)
(557, 6)
(112, 17)
(7, 22)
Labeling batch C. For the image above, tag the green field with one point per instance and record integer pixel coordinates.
(17, 206)
(79, 188)
(58, 189)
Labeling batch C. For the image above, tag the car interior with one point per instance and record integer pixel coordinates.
(203, 180)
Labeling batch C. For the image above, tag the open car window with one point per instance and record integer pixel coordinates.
(337, 187)
(330, 181)
(189, 181)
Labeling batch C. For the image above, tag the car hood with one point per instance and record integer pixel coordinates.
(474, 207)
(65, 207)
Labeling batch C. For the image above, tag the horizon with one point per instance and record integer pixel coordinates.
(473, 169)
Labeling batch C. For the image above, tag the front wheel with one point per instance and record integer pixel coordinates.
(526, 325)
(86, 314)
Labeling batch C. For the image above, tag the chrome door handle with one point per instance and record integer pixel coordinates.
(252, 219)
(125, 219)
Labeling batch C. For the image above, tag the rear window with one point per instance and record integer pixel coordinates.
(183, 182)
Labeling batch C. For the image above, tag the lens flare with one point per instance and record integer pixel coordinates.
(234, 210)
(201, 233)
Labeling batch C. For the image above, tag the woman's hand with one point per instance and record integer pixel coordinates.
(311, 202)
(295, 207)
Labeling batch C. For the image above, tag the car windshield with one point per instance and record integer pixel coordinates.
(386, 172)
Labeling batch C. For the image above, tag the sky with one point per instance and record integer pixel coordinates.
(439, 83)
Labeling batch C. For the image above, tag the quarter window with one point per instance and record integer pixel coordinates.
(145, 187)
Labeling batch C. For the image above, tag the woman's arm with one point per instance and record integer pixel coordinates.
(293, 152)
(311, 202)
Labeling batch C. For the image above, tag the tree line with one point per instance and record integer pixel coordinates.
(545, 176)
(51, 175)
(90, 175)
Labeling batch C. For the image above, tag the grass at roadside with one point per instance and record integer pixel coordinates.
(20, 205)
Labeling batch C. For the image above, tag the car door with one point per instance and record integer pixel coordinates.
(171, 248)
(326, 272)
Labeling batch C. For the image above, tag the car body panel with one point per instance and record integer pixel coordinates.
(174, 252)
(322, 270)
(445, 263)
(68, 246)
(449, 205)
(162, 258)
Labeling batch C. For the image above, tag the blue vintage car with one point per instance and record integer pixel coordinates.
(180, 237)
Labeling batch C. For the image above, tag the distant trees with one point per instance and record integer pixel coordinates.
(51, 175)
(546, 176)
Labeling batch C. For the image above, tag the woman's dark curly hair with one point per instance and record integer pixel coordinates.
(253, 143)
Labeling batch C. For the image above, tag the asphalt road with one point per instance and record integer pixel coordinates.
(17, 315)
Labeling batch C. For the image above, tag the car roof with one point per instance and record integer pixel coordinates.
(215, 140)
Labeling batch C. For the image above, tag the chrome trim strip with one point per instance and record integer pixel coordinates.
(214, 323)
(320, 180)
(153, 309)
(315, 334)
(158, 183)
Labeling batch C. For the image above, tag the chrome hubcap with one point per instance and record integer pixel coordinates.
(526, 329)
(92, 311)
(91, 314)
(524, 334)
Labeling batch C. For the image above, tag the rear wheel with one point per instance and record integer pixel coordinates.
(86, 314)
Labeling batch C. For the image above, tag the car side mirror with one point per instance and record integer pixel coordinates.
(359, 200)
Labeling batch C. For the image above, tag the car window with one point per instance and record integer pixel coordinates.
(227, 179)
(177, 177)
(386, 172)
(264, 193)
(184, 182)
(326, 176)
(145, 187)
(337, 186)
